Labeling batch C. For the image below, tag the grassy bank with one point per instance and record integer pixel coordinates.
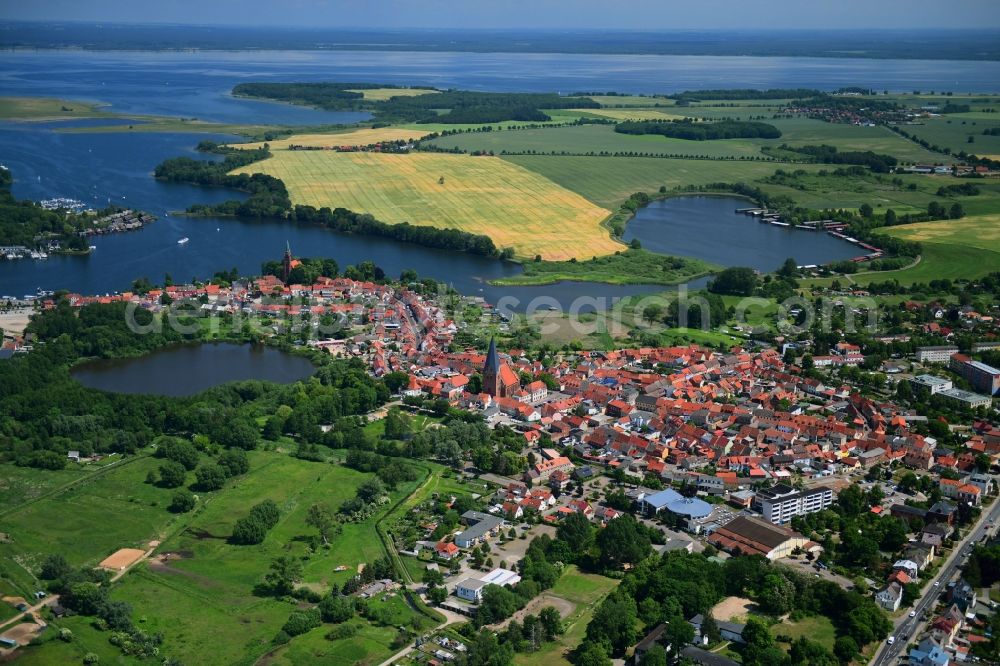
(627, 267)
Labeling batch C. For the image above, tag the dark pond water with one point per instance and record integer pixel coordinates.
(709, 228)
(189, 369)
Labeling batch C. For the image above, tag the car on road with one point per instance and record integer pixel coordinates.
(937, 583)
(892, 639)
(913, 613)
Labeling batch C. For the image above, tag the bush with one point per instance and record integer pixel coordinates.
(300, 622)
(341, 631)
(336, 609)
(182, 501)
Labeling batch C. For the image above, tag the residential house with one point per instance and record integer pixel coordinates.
(908, 566)
(890, 597)
(928, 653)
(730, 631)
(481, 526)
(962, 595)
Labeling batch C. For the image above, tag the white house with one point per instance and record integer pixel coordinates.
(890, 597)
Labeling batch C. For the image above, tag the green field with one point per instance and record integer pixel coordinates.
(19, 485)
(629, 267)
(880, 191)
(206, 596)
(807, 131)
(47, 108)
(953, 131)
(966, 248)
(90, 521)
(370, 645)
(581, 139)
(481, 195)
(86, 640)
(584, 590)
(816, 628)
(613, 101)
(607, 181)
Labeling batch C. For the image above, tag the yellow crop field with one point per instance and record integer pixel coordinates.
(515, 207)
(382, 94)
(632, 114)
(358, 137)
(630, 100)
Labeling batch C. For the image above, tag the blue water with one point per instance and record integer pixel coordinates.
(197, 84)
(709, 228)
(189, 369)
(117, 167)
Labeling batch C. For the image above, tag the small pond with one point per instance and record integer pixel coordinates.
(185, 370)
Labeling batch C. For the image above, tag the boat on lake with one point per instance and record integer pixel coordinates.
(183, 240)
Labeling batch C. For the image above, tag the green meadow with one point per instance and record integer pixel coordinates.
(607, 181)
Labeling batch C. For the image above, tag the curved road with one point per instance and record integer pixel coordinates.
(910, 627)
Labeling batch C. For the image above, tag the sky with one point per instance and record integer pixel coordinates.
(503, 14)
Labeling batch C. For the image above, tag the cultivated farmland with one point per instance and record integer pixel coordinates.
(358, 137)
(382, 94)
(580, 139)
(515, 207)
(607, 181)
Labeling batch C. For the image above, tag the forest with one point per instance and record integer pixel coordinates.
(45, 412)
(346, 221)
(679, 585)
(744, 94)
(692, 131)
(460, 106)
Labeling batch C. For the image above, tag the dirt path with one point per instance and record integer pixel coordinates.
(48, 601)
(535, 605)
(732, 607)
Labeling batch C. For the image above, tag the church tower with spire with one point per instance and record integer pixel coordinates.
(499, 380)
(286, 262)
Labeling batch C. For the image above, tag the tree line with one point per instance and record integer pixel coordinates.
(692, 131)
(462, 106)
(268, 198)
(830, 155)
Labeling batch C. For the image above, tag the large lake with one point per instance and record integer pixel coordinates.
(189, 369)
(197, 83)
(117, 167)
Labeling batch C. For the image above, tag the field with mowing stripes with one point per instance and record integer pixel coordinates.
(607, 181)
(594, 139)
(382, 94)
(630, 114)
(359, 137)
(514, 206)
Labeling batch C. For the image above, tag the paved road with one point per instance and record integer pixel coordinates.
(910, 626)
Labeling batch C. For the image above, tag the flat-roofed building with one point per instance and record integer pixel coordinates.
(936, 353)
(984, 378)
(471, 589)
(967, 398)
(930, 384)
(781, 503)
